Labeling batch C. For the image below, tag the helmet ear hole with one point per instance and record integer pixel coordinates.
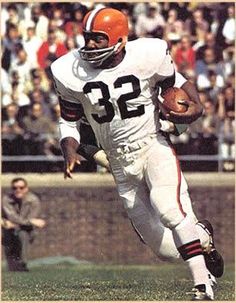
(120, 39)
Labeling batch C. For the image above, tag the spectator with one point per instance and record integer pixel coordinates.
(210, 128)
(31, 45)
(227, 104)
(150, 24)
(13, 17)
(185, 56)
(214, 89)
(40, 21)
(22, 66)
(209, 42)
(12, 131)
(5, 82)
(210, 120)
(70, 44)
(20, 217)
(17, 97)
(229, 63)
(40, 97)
(73, 27)
(50, 50)
(198, 26)
(229, 27)
(174, 28)
(208, 64)
(59, 32)
(182, 9)
(9, 44)
(226, 112)
(39, 80)
(39, 131)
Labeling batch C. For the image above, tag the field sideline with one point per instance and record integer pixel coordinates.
(64, 282)
(96, 179)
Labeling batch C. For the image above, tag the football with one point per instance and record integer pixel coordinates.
(171, 97)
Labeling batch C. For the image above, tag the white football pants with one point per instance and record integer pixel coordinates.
(154, 191)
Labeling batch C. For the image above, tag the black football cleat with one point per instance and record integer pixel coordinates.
(199, 293)
(214, 261)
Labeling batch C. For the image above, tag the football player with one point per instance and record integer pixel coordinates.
(116, 83)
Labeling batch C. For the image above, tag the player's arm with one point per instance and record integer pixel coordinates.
(171, 78)
(69, 135)
(71, 111)
(194, 109)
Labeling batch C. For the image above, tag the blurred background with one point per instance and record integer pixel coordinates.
(201, 37)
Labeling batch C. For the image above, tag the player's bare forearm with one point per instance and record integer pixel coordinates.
(191, 91)
(194, 110)
(69, 148)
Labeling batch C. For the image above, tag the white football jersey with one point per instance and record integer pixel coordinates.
(119, 102)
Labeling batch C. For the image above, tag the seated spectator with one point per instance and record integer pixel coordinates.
(40, 21)
(209, 42)
(185, 56)
(229, 27)
(174, 28)
(210, 128)
(197, 26)
(40, 97)
(182, 9)
(71, 44)
(150, 24)
(9, 44)
(17, 97)
(227, 104)
(39, 131)
(5, 82)
(31, 45)
(210, 120)
(59, 32)
(228, 63)
(12, 131)
(13, 17)
(226, 112)
(214, 89)
(22, 66)
(20, 217)
(39, 80)
(208, 64)
(74, 27)
(49, 51)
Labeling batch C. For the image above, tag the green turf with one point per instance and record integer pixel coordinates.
(97, 282)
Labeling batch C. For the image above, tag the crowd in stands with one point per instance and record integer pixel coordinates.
(201, 37)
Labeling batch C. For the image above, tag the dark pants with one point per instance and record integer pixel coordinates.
(16, 244)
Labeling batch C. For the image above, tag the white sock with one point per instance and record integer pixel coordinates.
(188, 243)
(203, 236)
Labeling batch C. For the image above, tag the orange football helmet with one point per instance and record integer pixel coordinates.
(110, 22)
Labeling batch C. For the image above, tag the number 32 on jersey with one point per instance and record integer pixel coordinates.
(121, 101)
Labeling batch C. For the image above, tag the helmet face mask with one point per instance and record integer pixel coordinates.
(96, 56)
(100, 23)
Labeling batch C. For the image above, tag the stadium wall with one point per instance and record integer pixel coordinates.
(86, 219)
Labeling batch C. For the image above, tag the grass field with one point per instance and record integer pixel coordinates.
(97, 282)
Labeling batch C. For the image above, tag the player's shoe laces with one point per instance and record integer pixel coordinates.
(214, 261)
(199, 293)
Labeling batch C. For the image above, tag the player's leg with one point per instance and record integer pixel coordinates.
(164, 181)
(144, 218)
(135, 196)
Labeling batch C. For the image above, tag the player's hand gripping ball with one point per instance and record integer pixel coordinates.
(175, 99)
